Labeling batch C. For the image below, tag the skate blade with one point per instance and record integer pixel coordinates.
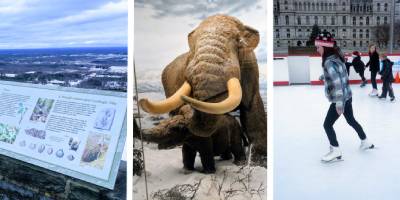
(371, 147)
(337, 159)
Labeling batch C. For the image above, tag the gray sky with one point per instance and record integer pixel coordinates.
(161, 26)
(63, 23)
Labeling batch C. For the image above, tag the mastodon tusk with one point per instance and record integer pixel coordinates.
(168, 104)
(227, 105)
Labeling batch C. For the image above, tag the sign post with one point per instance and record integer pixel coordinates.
(77, 132)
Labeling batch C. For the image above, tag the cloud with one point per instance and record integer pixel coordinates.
(65, 23)
(161, 27)
(199, 9)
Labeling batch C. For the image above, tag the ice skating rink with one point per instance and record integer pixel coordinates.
(300, 142)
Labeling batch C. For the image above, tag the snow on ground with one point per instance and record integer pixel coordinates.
(10, 75)
(117, 69)
(300, 141)
(164, 168)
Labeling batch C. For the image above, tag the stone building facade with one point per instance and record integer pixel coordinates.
(352, 22)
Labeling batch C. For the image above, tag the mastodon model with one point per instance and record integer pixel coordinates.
(218, 75)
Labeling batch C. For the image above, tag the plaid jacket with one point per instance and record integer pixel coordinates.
(337, 88)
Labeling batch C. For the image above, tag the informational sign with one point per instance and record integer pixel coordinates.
(77, 132)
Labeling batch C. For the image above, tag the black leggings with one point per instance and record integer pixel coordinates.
(331, 118)
(373, 79)
(361, 73)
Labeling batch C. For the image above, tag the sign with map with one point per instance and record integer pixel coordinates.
(77, 132)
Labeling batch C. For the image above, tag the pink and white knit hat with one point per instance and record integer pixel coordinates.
(325, 39)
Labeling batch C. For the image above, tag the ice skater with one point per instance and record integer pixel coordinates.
(359, 67)
(373, 65)
(387, 78)
(338, 92)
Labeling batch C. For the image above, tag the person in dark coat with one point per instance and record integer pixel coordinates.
(373, 65)
(359, 67)
(387, 78)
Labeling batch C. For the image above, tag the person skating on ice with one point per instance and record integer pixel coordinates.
(387, 78)
(373, 65)
(338, 92)
(359, 67)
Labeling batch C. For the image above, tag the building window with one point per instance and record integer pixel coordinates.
(313, 6)
(367, 33)
(298, 21)
(344, 6)
(317, 6)
(288, 33)
(367, 21)
(276, 20)
(288, 43)
(286, 5)
(315, 20)
(378, 7)
(361, 21)
(278, 44)
(354, 21)
(354, 44)
(378, 20)
(300, 6)
(309, 6)
(385, 19)
(295, 5)
(333, 20)
(361, 43)
(361, 33)
(330, 6)
(324, 20)
(326, 6)
(354, 33)
(287, 20)
(277, 33)
(386, 7)
(307, 20)
(344, 20)
(305, 6)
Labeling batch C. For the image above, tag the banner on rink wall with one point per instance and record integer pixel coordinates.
(76, 132)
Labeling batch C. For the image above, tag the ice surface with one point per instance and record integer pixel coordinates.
(300, 142)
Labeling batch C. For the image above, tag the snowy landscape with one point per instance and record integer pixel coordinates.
(300, 142)
(93, 68)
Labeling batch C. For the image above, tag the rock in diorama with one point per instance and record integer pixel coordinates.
(218, 75)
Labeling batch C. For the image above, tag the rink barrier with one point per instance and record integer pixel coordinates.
(281, 69)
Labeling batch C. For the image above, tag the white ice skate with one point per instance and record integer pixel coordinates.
(334, 155)
(374, 93)
(365, 145)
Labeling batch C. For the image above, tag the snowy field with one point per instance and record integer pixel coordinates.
(300, 142)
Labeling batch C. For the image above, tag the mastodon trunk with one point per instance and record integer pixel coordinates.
(205, 72)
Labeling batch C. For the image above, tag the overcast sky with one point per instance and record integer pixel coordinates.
(63, 23)
(162, 26)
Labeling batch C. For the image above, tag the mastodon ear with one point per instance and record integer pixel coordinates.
(249, 38)
(191, 40)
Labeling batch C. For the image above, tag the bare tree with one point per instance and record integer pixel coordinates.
(381, 34)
